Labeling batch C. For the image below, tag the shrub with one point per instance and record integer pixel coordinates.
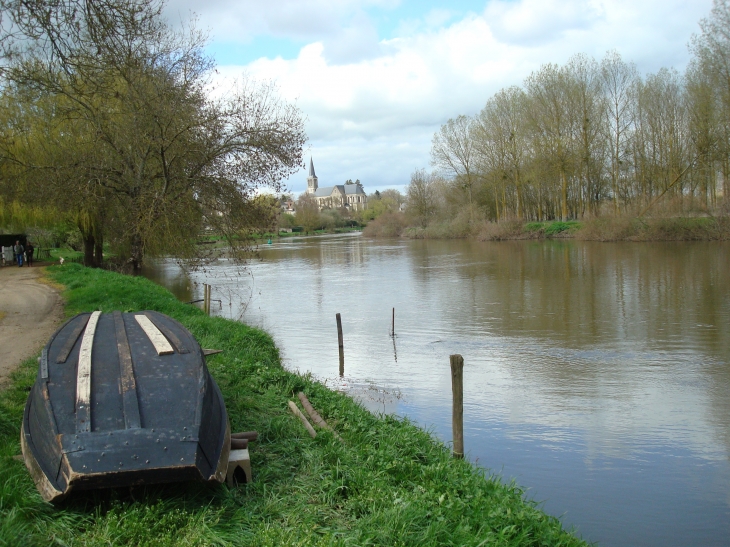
(389, 224)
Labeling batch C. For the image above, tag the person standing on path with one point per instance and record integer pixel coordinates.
(19, 250)
(29, 253)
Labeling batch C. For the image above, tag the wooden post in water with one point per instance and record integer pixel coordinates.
(457, 415)
(392, 325)
(341, 345)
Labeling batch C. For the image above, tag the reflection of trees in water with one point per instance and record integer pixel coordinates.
(169, 274)
(584, 293)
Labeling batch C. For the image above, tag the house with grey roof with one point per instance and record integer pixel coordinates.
(349, 196)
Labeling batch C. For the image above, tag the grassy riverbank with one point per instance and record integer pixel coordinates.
(595, 229)
(387, 483)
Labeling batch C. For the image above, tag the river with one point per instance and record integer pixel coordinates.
(597, 375)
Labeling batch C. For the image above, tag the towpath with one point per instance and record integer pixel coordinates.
(30, 312)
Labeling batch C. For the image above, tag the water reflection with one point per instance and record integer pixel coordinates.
(595, 373)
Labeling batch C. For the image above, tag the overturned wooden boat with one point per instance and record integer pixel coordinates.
(123, 399)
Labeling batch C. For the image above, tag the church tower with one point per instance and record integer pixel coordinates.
(311, 179)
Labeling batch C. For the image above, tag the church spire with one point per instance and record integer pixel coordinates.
(312, 183)
(311, 168)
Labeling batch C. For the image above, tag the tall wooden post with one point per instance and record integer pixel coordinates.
(341, 345)
(457, 416)
(206, 298)
(392, 325)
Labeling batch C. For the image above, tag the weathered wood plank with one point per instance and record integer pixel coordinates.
(44, 364)
(169, 334)
(298, 413)
(126, 373)
(83, 376)
(71, 341)
(207, 352)
(316, 418)
(162, 346)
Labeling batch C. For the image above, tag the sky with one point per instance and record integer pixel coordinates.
(376, 79)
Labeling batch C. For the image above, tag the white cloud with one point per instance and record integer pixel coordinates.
(373, 105)
(535, 22)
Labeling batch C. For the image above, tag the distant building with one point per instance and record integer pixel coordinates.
(349, 196)
(287, 206)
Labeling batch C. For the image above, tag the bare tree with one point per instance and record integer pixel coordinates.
(420, 196)
(550, 115)
(500, 141)
(712, 49)
(452, 151)
(620, 82)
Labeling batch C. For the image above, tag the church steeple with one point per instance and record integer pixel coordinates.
(311, 179)
(311, 168)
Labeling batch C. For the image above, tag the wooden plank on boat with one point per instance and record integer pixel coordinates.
(162, 346)
(126, 371)
(83, 376)
(71, 341)
(169, 334)
(44, 364)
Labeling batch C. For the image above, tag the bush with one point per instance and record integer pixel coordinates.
(389, 224)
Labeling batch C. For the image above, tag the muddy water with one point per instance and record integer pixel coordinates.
(597, 375)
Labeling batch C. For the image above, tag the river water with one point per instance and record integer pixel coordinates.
(597, 375)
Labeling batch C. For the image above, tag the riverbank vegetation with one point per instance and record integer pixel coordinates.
(107, 124)
(590, 140)
(386, 482)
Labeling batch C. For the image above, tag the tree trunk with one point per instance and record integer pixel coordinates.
(98, 251)
(88, 240)
(564, 196)
(137, 253)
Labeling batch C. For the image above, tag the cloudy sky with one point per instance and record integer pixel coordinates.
(376, 78)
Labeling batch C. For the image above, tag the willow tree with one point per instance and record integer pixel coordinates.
(169, 159)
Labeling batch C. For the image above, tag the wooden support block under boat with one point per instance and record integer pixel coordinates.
(123, 399)
(239, 468)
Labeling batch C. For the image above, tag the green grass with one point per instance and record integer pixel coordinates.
(66, 253)
(387, 483)
(552, 228)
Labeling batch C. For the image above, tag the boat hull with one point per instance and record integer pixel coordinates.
(110, 408)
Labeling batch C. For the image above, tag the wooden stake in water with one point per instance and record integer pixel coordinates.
(341, 345)
(457, 416)
(392, 326)
(206, 298)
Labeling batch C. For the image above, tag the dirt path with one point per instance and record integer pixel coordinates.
(30, 312)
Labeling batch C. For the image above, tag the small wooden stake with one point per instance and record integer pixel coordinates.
(298, 413)
(341, 345)
(457, 416)
(392, 327)
(316, 418)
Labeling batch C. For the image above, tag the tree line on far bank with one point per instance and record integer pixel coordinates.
(587, 139)
(109, 123)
